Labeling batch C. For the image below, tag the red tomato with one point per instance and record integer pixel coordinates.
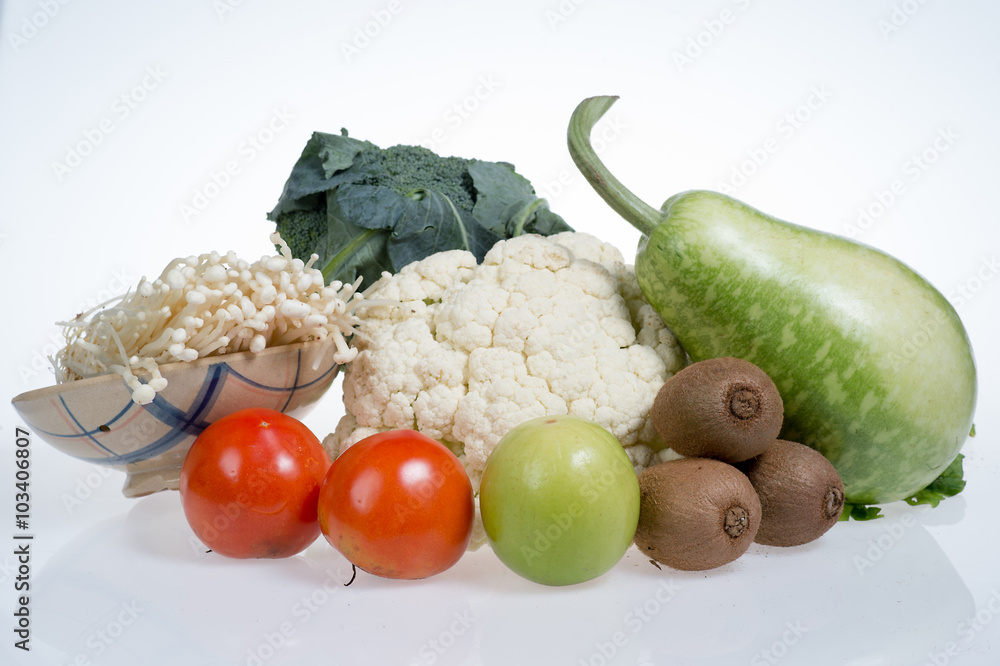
(398, 504)
(250, 484)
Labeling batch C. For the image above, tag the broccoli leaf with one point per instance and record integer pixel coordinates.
(323, 158)
(367, 206)
(364, 256)
(348, 250)
(364, 210)
(498, 190)
(508, 199)
(430, 221)
(543, 221)
(337, 153)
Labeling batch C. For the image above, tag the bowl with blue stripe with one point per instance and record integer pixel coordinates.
(96, 420)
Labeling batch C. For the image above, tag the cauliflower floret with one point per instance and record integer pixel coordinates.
(544, 326)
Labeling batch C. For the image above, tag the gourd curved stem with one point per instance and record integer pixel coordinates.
(639, 214)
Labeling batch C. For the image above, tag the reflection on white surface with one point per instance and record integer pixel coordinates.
(880, 592)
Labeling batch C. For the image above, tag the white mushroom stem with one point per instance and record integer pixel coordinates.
(208, 305)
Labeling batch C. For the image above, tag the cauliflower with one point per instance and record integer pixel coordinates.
(544, 326)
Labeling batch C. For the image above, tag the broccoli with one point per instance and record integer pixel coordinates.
(406, 169)
(365, 210)
(302, 230)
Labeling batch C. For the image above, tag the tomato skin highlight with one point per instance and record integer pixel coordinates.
(250, 485)
(398, 504)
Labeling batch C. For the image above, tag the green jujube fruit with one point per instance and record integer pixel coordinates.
(873, 363)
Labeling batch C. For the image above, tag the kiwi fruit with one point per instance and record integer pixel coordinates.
(695, 513)
(724, 408)
(801, 494)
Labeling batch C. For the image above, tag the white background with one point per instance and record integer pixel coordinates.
(808, 110)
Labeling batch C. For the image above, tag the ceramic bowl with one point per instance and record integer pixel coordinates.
(96, 420)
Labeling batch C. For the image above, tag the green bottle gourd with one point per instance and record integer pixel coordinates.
(873, 364)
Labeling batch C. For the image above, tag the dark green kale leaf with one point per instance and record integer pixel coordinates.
(509, 204)
(364, 210)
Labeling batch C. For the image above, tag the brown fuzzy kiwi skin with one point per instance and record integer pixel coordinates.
(801, 494)
(724, 408)
(696, 513)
